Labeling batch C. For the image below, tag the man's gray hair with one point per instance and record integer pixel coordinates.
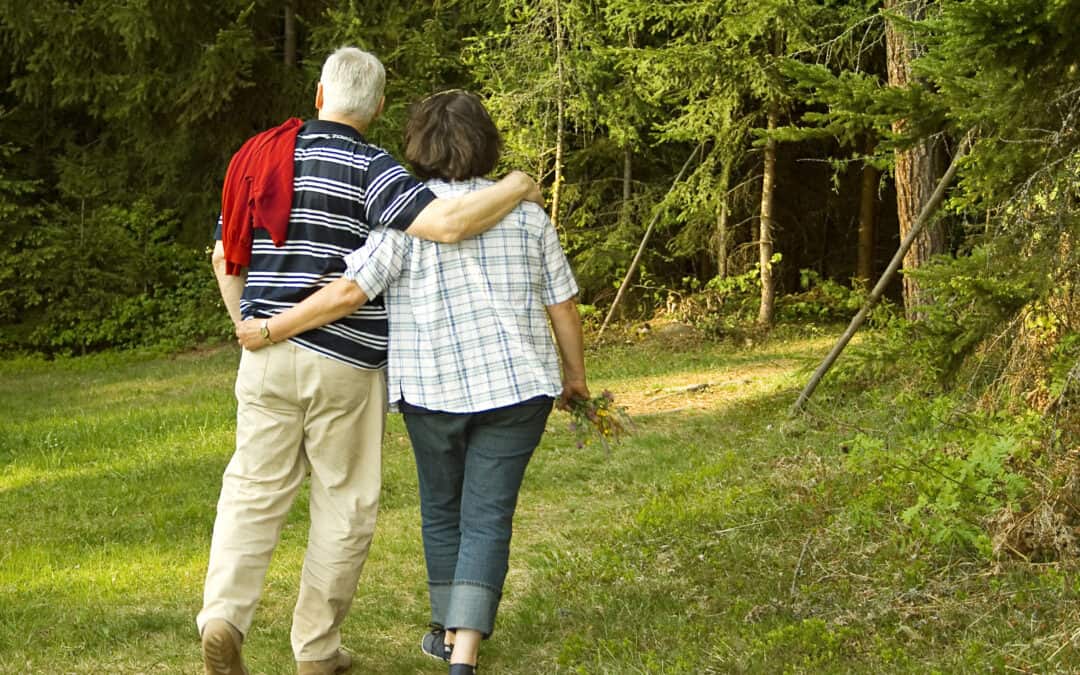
(353, 82)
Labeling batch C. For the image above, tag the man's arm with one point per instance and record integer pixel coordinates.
(452, 219)
(330, 303)
(231, 286)
(566, 323)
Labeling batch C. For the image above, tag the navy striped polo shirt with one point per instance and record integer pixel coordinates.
(342, 187)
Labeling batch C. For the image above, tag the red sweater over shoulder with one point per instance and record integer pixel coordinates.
(258, 192)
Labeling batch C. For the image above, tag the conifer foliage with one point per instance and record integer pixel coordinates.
(117, 120)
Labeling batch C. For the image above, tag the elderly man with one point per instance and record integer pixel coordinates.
(315, 402)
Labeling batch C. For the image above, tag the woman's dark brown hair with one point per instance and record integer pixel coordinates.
(450, 135)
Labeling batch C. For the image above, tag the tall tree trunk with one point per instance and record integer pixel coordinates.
(721, 235)
(560, 118)
(290, 33)
(627, 176)
(918, 168)
(864, 265)
(765, 241)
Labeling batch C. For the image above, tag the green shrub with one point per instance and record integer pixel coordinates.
(114, 279)
(972, 296)
(820, 300)
(943, 472)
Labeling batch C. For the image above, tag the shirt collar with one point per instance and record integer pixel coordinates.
(328, 127)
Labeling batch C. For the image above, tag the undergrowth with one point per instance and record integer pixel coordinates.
(869, 534)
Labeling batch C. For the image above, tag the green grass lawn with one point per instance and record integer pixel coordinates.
(718, 539)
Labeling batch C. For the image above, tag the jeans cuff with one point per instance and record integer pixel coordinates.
(473, 607)
(439, 596)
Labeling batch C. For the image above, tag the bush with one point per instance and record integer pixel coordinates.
(117, 279)
(820, 300)
(948, 473)
(972, 297)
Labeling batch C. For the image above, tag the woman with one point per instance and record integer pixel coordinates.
(472, 366)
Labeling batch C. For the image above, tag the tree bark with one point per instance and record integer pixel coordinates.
(918, 168)
(290, 33)
(627, 186)
(766, 311)
(721, 236)
(864, 265)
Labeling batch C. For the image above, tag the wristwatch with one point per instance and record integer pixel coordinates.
(264, 331)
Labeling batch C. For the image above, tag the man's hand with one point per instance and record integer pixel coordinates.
(533, 195)
(249, 335)
(573, 390)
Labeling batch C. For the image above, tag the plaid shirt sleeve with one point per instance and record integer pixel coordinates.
(559, 282)
(378, 262)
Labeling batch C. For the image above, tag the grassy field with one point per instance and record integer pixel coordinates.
(719, 539)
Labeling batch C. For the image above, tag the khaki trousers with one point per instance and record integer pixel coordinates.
(297, 412)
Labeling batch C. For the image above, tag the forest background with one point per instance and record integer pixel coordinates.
(764, 157)
(811, 134)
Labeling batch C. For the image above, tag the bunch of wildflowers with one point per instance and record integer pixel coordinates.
(598, 418)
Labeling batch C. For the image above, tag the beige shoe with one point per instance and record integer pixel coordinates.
(338, 663)
(221, 649)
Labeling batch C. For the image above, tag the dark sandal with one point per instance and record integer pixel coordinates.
(462, 669)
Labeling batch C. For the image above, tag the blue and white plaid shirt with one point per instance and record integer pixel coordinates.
(468, 326)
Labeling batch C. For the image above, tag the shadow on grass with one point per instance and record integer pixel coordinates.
(42, 629)
(163, 503)
(89, 385)
(115, 434)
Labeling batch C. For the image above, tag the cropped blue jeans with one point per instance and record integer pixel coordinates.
(470, 468)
